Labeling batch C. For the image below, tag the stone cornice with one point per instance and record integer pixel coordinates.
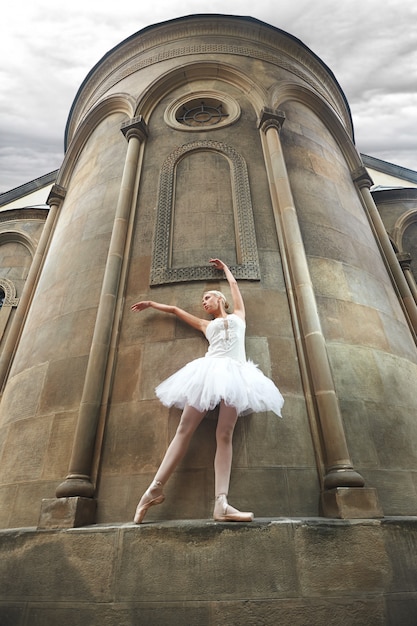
(406, 194)
(207, 35)
(13, 215)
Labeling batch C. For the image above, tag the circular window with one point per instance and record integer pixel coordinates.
(204, 111)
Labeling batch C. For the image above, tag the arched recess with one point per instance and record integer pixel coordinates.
(116, 103)
(343, 136)
(403, 222)
(14, 236)
(15, 264)
(16, 255)
(247, 265)
(201, 71)
(404, 236)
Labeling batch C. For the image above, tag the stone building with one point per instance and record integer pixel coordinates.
(209, 135)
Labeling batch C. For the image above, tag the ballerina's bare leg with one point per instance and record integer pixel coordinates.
(190, 419)
(222, 467)
(224, 451)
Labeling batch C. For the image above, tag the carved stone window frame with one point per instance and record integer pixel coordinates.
(9, 292)
(10, 302)
(246, 246)
(230, 105)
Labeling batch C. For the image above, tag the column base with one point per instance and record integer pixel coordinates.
(350, 502)
(67, 512)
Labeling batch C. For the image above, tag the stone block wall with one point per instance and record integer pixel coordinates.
(290, 572)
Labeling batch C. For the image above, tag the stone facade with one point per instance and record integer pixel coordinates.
(288, 572)
(211, 136)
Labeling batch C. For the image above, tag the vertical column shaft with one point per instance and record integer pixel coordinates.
(363, 181)
(55, 199)
(78, 481)
(404, 259)
(338, 466)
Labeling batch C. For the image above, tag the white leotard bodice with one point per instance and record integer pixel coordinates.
(226, 337)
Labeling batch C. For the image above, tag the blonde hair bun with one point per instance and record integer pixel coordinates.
(219, 294)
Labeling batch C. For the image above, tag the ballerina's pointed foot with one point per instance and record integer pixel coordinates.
(151, 497)
(223, 512)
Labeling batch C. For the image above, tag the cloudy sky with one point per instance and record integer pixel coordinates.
(47, 48)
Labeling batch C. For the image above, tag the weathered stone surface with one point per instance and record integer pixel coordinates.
(44, 566)
(340, 559)
(295, 612)
(21, 400)
(285, 571)
(401, 609)
(67, 512)
(212, 562)
(351, 503)
(12, 615)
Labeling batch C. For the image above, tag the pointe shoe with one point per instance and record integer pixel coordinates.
(223, 512)
(148, 500)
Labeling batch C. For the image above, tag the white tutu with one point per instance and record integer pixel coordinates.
(204, 382)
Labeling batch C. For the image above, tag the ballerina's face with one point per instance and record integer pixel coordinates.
(211, 302)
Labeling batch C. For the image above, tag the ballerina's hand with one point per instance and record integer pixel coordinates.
(140, 306)
(219, 265)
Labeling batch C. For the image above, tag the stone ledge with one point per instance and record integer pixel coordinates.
(290, 571)
(258, 522)
(195, 524)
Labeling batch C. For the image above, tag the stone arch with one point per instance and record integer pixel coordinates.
(400, 227)
(203, 70)
(342, 133)
(16, 269)
(122, 102)
(248, 267)
(77, 138)
(14, 236)
(404, 237)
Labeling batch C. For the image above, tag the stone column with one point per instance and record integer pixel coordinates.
(404, 259)
(364, 182)
(75, 505)
(55, 200)
(343, 493)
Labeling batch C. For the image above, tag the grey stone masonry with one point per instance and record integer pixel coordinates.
(273, 571)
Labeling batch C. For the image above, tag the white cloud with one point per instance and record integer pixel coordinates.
(48, 48)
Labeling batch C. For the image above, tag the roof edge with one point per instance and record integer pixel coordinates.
(23, 190)
(398, 171)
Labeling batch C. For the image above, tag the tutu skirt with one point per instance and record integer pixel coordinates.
(204, 382)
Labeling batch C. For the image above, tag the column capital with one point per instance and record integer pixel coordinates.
(56, 195)
(271, 118)
(135, 127)
(362, 178)
(404, 259)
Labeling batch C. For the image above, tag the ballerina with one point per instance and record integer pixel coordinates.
(224, 378)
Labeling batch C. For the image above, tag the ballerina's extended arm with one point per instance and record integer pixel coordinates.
(238, 303)
(192, 320)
